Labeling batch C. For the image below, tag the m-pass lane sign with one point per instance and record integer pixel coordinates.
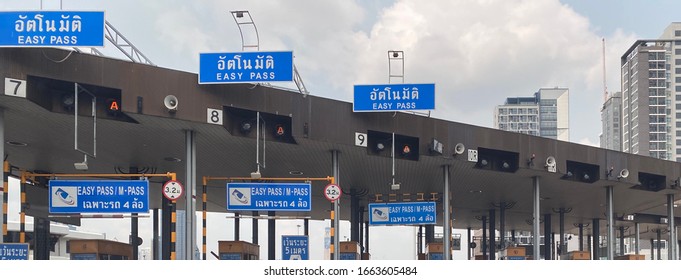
(172, 190)
(332, 192)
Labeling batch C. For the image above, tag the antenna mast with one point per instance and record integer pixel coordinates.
(605, 87)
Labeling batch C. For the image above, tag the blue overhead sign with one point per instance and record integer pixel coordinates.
(99, 196)
(294, 247)
(402, 213)
(245, 67)
(269, 196)
(52, 28)
(13, 251)
(394, 97)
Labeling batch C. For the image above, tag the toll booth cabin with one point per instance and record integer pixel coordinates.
(238, 250)
(349, 250)
(435, 251)
(98, 249)
(513, 253)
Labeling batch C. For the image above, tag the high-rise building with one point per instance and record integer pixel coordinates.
(545, 114)
(611, 118)
(651, 96)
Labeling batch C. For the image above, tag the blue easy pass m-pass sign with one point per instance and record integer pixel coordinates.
(52, 28)
(99, 196)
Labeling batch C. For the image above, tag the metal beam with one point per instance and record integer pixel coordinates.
(535, 224)
(447, 227)
(671, 248)
(190, 186)
(611, 222)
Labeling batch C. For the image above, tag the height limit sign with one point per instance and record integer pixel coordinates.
(332, 192)
(172, 190)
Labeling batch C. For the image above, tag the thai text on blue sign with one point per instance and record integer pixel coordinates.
(402, 213)
(269, 196)
(394, 97)
(245, 67)
(13, 251)
(52, 28)
(294, 247)
(99, 196)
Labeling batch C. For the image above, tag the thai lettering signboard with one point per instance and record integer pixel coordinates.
(52, 28)
(245, 67)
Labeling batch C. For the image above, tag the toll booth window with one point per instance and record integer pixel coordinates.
(83, 256)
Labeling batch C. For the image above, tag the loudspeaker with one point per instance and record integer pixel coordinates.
(550, 161)
(623, 174)
(459, 149)
(171, 103)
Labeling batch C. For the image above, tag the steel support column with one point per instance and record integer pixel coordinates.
(596, 234)
(484, 237)
(502, 225)
(306, 227)
(610, 213)
(447, 226)
(354, 215)
(535, 224)
(621, 241)
(652, 249)
(366, 237)
(561, 229)
(470, 241)
(3, 179)
(154, 238)
(237, 227)
(581, 237)
(254, 227)
(547, 237)
(360, 225)
(659, 244)
(336, 209)
(492, 235)
(671, 248)
(271, 235)
(190, 194)
(134, 235)
(637, 229)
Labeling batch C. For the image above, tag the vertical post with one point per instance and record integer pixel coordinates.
(611, 222)
(561, 228)
(547, 237)
(492, 235)
(173, 229)
(237, 227)
(637, 228)
(254, 227)
(470, 241)
(190, 184)
(361, 229)
(502, 225)
(652, 249)
(4, 180)
(154, 238)
(306, 226)
(336, 210)
(535, 225)
(446, 227)
(366, 237)
(596, 239)
(588, 243)
(5, 195)
(621, 241)
(271, 236)
(581, 237)
(484, 237)
(204, 217)
(419, 241)
(134, 235)
(513, 235)
(659, 244)
(671, 249)
(354, 215)
(22, 214)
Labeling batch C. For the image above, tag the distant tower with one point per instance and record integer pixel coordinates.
(545, 114)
